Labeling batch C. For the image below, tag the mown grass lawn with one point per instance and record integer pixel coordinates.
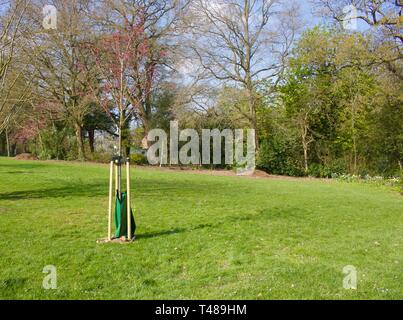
(199, 236)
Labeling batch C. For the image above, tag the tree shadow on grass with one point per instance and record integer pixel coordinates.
(22, 166)
(231, 220)
(160, 233)
(13, 283)
(99, 188)
(72, 190)
(177, 230)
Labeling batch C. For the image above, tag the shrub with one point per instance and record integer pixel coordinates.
(276, 157)
(53, 144)
(138, 159)
(332, 170)
(101, 157)
(319, 171)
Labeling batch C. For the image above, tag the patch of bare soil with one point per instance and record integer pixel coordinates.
(115, 240)
(26, 156)
(258, 174)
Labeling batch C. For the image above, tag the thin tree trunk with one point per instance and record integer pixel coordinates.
(249, 81)
(355, 155)
(354, 136)
(120, 134)
(8, 144)
(305, 146)
(126, 137)
(306, 158)
(80, 142)
(121, 124)
(252, 108)
(122, 114)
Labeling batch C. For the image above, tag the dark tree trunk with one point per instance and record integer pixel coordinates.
(3, 144)
(91, 140)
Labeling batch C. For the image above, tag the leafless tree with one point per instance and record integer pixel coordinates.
(242, 43)
(385, 14)
(60, 65)
(11, 16)
(385, 19)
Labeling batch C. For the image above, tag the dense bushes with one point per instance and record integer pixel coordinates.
(333, 117)
(275, 157)
(138, 159)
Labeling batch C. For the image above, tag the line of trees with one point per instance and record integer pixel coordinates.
(322, 100)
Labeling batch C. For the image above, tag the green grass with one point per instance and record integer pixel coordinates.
(199, 236)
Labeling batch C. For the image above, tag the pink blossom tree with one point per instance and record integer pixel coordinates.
(126, 73)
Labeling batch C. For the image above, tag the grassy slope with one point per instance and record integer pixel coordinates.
(199, 236)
